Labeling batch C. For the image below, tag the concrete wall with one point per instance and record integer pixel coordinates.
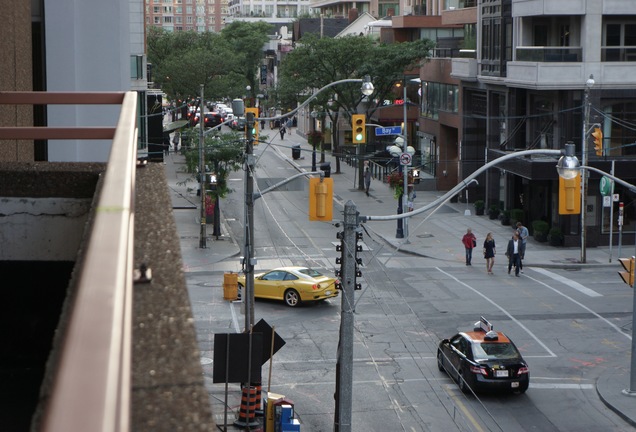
(15, 73)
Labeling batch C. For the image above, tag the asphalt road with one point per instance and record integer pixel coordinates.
(569, 324)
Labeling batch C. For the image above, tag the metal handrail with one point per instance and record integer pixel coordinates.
(91, 387)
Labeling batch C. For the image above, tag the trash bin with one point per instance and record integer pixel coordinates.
(326, 167)
(296, 151)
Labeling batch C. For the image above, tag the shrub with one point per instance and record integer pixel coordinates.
(540, 226)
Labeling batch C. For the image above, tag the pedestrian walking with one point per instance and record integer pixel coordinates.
(410, 198)
(367, 180)
(175, 141)
(523, 237)
(470, 241)
(489, 252)
(262, 125)
(282, 131)
(512, 252)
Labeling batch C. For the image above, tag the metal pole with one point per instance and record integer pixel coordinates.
(203, 233)
(586, 120)
(405, 193)
(248, 252)
(345, 357)
(611, 233)
(632, 374)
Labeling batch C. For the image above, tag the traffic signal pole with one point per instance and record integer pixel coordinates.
(248, 251)
(203, 233)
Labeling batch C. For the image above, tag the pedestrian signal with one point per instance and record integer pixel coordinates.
(598, 141)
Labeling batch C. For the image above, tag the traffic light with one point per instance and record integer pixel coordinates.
(358, 128)
(254, 124)
(570, 195)
(598, 141)
(629, 265)
(320, 199)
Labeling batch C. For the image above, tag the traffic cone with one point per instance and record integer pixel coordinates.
(247, 412)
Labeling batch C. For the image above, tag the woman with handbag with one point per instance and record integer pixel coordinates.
(470, 241)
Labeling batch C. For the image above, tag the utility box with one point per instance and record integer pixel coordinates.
(230, 286)
(279, 414)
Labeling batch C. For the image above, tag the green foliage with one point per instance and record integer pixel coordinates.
(479, 204)
(224, 63)
(555, 236)
(246, 41)
(539, 226)
(316, 62)
(516, 215)
(223, 154)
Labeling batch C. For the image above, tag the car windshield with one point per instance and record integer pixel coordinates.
(495, 351)
(310, 272)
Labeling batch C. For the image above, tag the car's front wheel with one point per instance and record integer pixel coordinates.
(292, 298)
(440, 364)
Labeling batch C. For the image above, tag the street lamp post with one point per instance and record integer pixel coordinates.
(586, 120)
(203, 232)
(568, 168)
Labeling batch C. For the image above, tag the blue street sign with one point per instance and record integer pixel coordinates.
(392, 130)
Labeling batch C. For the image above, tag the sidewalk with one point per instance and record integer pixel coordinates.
(434, 236)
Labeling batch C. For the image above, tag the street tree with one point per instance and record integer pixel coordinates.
(246, 41)
(316, 62)
(182, 61)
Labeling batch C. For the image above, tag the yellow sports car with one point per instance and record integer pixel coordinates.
(292, 284)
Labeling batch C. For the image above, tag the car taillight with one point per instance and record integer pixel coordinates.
(315, 287)
(522, 370)
(478, 370)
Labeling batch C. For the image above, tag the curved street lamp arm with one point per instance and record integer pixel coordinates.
(630, 186)
(463, 184)
(312, 97)
(285, 181)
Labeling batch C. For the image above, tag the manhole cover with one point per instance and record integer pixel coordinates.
(425, 235)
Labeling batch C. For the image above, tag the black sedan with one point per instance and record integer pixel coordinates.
(483, 360)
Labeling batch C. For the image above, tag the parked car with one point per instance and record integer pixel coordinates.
(482, 360)
(293, 285)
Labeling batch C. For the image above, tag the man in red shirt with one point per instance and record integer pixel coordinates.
(470, 241)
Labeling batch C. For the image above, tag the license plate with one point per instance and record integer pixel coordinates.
(501, 374)
(514, 384)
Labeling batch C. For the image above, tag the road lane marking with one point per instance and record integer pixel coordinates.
(614, 326)
(504, 311)
(572, 284)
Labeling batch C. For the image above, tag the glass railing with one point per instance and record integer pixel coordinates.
(549, 54)
(618, 54)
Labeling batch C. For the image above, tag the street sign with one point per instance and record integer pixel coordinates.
(405, 159)
(605, 186)
(607, 201)
(392, 130)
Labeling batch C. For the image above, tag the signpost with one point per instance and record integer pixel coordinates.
(392, 130)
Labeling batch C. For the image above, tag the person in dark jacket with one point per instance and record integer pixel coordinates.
(512, 252)
(489, 252)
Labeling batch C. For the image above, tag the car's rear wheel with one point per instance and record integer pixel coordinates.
(440, 360)
(292, 298)
(463, 385)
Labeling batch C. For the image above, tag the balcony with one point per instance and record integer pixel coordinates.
(73, 234)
